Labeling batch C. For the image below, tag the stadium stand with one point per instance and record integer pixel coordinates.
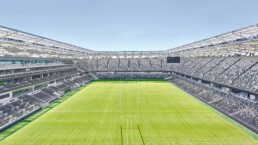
(28, 87)
(218, 70)
(235, 72)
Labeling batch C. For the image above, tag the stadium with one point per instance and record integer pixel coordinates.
(54, 92)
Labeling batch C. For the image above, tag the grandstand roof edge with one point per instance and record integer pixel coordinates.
(193, 45)
(184, 47)
(45, 38)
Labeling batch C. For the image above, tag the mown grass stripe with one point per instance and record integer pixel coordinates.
(166, 116)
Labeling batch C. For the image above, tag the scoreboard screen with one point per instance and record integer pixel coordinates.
(173, 59)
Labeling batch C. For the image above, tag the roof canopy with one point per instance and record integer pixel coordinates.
(243, 34)
(20, 37)
(17, 43)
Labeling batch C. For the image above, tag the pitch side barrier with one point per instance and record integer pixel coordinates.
(129, 80)
(156, 71)
(20, 119)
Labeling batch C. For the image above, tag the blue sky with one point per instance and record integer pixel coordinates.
(128, 24)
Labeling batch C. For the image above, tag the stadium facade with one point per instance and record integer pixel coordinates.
(222, 71)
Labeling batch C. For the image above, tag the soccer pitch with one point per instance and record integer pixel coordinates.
(133, 112)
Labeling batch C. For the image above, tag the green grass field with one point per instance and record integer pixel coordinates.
(147, 112)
